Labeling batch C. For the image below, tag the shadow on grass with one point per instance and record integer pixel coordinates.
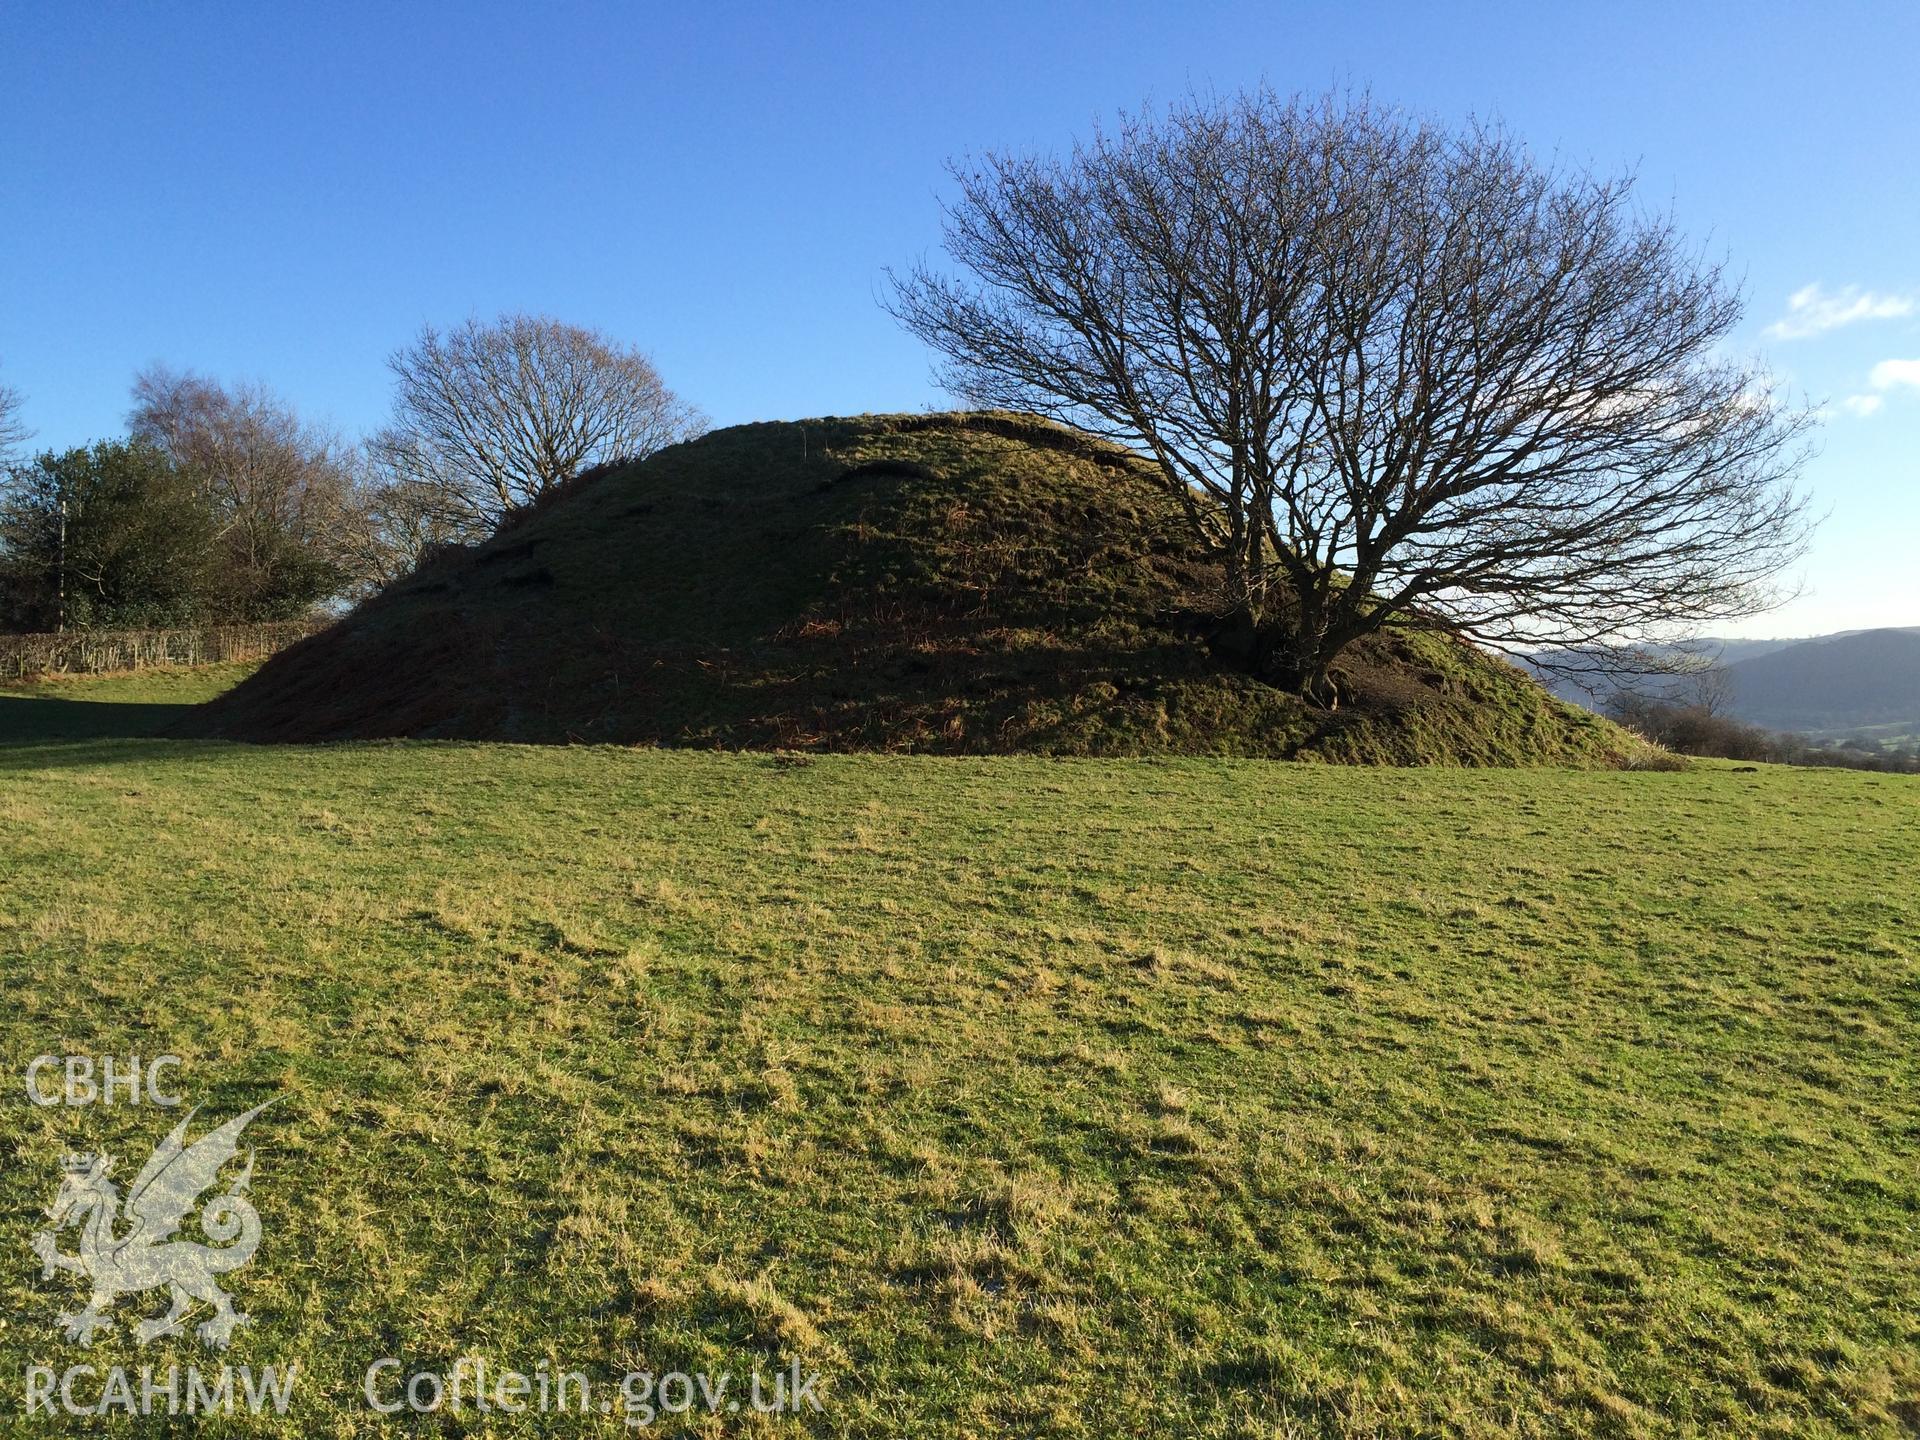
(36, 720)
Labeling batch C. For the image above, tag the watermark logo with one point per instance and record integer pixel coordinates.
(79, 1080)
(128, 1247)
(133, 1245)
(638, 1397)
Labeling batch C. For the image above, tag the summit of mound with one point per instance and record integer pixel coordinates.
(957, 583)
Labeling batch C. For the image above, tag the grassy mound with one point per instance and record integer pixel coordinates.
(969, 583)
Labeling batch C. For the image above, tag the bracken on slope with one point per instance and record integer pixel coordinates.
(960, 583)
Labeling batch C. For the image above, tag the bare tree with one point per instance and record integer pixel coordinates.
(282, 489)
(396, 524)
(491, 418)
(13, 430)
(1392, 372)
(1709, 690)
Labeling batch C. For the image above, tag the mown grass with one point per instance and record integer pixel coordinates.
(1016, 1096)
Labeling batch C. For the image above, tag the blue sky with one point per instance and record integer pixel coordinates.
(286, 193)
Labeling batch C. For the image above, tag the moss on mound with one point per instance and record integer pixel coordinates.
(962, 583)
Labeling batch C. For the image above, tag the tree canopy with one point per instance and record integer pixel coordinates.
(1394, 372)
(491, 418)
(283, 494)
(112, 535)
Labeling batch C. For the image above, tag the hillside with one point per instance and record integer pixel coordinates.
(1855, 681)
(938, 583)
(1864, 679)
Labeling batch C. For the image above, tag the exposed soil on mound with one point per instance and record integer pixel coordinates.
(950, 583)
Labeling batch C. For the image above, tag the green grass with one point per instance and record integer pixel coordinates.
(1188, 1097)
(136, 703)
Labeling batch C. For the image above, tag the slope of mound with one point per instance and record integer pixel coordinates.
(948, 583)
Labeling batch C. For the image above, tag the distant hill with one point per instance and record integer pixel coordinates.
(964, 583)
(1839, 682)
(1856, 681)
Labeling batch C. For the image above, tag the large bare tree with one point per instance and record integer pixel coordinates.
(490, 418)
(1391, 370)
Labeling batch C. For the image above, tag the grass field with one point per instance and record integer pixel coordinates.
(1196, 1098)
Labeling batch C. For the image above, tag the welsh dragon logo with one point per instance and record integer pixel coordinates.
(147, 1256)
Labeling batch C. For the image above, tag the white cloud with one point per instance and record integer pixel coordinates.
(1889, 373)
(1812, 310)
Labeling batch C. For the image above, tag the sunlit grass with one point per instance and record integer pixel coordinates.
(1017, 1097)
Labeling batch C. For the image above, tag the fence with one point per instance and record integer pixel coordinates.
(87, 652)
